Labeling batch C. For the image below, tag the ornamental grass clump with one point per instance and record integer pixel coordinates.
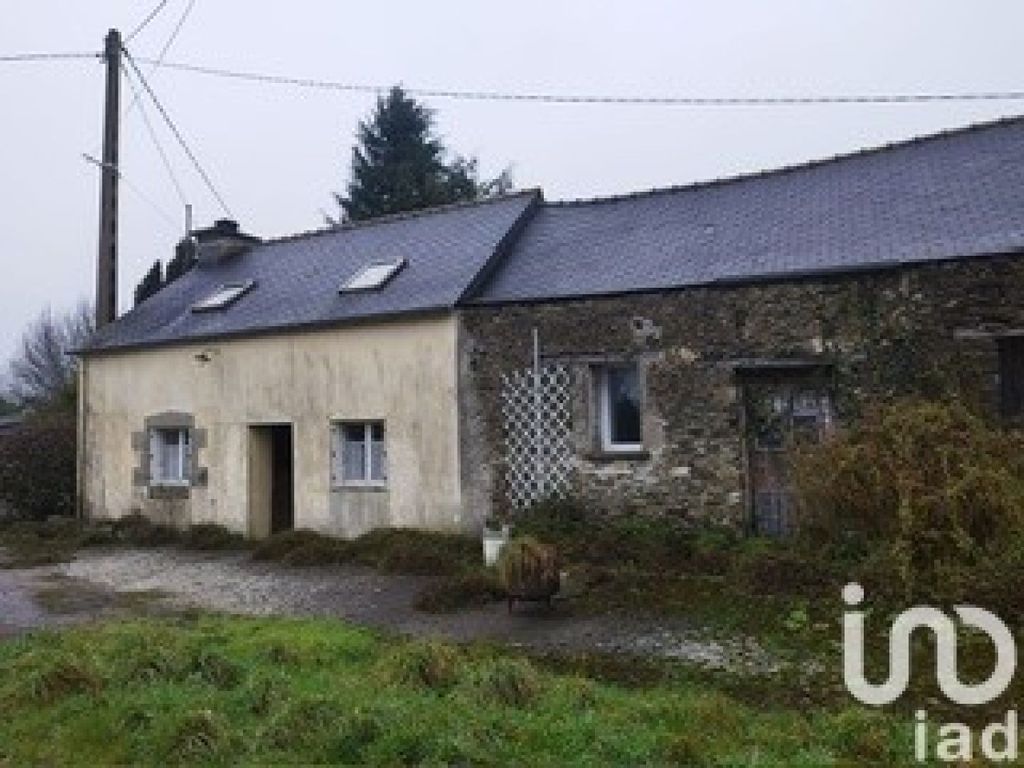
(528, 569)
(424, 664)
(509, 682)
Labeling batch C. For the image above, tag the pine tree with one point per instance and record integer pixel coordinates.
(184, 259)
(151, 282)
(399, 164)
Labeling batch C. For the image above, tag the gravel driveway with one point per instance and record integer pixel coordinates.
(19, 611)
(234, 583)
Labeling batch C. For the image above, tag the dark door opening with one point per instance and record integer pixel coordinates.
(282, 511)
(271, 480)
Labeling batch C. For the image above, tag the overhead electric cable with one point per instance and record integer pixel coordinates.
(549, 98)
(153, 137)
(145, 22)
(13, 57)
(163, 51)
(177, 134)
(174, 33)
(136, 189)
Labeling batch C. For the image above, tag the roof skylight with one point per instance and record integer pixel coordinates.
(372, 276)
(228, 293)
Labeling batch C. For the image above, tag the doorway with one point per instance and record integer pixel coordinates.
(783, 411)
(271, 480)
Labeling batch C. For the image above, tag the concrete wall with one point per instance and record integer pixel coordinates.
(403, 373)
(920, 330)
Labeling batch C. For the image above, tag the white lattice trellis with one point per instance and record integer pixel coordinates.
(537, 411)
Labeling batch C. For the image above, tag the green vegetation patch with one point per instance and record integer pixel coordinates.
(217, 690)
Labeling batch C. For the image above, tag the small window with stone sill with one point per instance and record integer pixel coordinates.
(619, 409)
(359, 455)
(170, 457)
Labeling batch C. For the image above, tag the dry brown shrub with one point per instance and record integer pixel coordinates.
(927, 489)
(528, 568)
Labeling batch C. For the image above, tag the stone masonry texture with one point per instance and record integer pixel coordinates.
(928, 330)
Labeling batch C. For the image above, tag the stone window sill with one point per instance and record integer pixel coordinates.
(360, 487)
(168, 491)
(609, 456)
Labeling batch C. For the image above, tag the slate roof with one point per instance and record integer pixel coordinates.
(953, 195)
(297, 278)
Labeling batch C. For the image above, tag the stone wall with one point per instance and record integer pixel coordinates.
(926, 329)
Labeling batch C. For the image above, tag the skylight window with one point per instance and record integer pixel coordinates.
(372, 276)
(227, 294)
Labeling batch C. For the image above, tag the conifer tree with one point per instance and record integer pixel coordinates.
(184, 259)
(399, 164)
(151, 282)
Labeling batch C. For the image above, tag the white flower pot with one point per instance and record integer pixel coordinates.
(494, 541)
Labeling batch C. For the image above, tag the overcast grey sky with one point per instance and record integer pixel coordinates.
(277, 153)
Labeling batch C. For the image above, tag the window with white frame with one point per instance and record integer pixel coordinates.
(223, 296)
(372, 276)
(619, 406)
(359, 454)
(170, 456)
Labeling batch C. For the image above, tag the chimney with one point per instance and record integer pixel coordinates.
(221, 242)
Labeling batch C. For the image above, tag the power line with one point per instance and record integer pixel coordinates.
(177, 133)
(163, 51)
(174, 34)
(545, 98)
(145, 22)
(135, 188)
(11, 57)
(548, 98)
(152, 135)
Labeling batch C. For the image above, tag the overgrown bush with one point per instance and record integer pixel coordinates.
(211, 536)
(137, 530)
(584, 535)
(37, 465)
(402, 550)
(926, 491)
(303, 547)
(528, 568)
(409, 550)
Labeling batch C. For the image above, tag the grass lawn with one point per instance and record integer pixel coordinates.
(210, 689)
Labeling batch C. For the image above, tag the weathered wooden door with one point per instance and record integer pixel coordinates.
(783, 411)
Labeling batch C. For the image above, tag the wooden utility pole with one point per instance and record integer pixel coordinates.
(106, 261)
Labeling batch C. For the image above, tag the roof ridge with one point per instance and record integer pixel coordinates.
(403, 216)
(792, 167)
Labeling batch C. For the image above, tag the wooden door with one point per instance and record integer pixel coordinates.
(782, 412)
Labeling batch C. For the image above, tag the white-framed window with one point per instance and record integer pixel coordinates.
(619, 405)
(170, 456)
(359, 455)
(372, 276)
(226, 294)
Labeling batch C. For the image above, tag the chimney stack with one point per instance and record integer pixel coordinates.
(221, 242)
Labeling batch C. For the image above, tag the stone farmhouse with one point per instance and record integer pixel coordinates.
(656, 353)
